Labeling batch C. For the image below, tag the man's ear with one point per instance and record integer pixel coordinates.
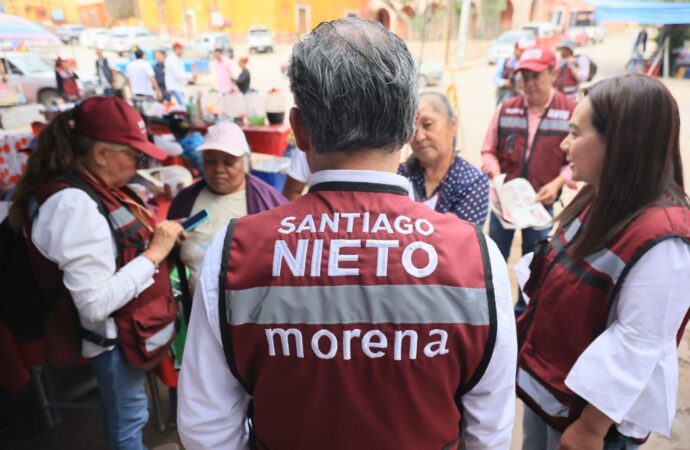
(302, 138)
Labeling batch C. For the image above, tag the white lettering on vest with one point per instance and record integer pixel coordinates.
(403, 225)
(410, 267)
(316, 253)
(382, 224)
(284, 334)
(331, 223)
(365, 222)
(350, 217)
(296, 263)
(429, 227)
(356, 221)
(441, 348)
(397, 347)
(382, 254)
(307, 224)
(347, 342)
(374, 343)
(286, 225)
(334, 257)
(333, 342)
(367, 343)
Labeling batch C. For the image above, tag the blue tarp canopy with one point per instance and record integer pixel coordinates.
(640, 11)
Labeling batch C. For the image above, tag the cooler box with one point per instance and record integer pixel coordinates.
(273, 171)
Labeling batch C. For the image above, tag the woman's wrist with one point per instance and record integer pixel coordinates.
(153, 256)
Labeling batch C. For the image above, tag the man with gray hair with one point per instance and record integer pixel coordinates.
(353, 317)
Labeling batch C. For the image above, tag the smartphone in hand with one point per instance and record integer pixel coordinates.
(196, 220)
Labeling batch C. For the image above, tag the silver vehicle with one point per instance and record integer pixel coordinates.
(121, 40)
(205, 43)
(69, 33)
(260, 39)
(94, 37)
(504, 45)
(37, 77)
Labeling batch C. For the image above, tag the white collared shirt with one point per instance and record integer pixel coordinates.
(212, 403)
(71, 232)
(630, 371)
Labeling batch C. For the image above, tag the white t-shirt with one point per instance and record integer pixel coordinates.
(221, 209)
(138, 73)
(299, 168)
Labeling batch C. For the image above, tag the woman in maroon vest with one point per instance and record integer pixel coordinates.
(97, 248)
(597, 365)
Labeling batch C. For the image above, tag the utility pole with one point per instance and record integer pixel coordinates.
(462, 32)
(449, 30)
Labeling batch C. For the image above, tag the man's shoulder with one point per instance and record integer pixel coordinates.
(563, 101)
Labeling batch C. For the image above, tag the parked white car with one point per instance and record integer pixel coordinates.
(94, 37)
(205, 43)
(122, 39)
(504, 45)
(36, 76)
(260, 39)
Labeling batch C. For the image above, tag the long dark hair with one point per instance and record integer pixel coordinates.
(57, 149)
(639, 120)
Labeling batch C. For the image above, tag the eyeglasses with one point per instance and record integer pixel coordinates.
(138, 157)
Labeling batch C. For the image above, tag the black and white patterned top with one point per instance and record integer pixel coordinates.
(464, 191)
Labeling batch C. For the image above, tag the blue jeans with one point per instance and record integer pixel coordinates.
(538, 435)
(504, 240)
(123, 400)
(179, 97)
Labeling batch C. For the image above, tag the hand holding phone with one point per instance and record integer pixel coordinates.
(196, 220)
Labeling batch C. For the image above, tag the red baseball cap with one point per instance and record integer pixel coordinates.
(111, 119)
(537, 59)
(177, 45)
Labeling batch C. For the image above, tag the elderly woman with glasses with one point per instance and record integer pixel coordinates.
(98, 250)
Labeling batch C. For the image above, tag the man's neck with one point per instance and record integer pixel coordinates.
(375, 159)
(539, 104)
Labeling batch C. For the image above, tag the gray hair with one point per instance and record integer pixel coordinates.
(443, 102)
(355, 85)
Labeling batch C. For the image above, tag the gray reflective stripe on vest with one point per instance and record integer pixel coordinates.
(541, 396)
(121, 217)
(512, 122)
(325, 305)
(555, 125)
(605, 261)
(572, 229)
(161, 338)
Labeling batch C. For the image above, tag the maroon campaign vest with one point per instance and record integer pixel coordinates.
(566, 81)
(584, 292)
(146, 325)
(546, 157)
(356, 318)
(509, 68)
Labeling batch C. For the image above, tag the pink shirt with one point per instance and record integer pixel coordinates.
(489, 158)
(224, 78)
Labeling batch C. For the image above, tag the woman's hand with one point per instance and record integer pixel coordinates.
(549, 192)
(164, 239)
(587, 432)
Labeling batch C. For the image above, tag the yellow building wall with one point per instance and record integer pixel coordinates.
(30, 9)
(280, 16)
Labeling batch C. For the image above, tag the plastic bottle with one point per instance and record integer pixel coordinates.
(275, 107)
(255, 108)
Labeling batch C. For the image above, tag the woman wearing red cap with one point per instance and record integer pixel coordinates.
(97, 247)
(597, 363)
